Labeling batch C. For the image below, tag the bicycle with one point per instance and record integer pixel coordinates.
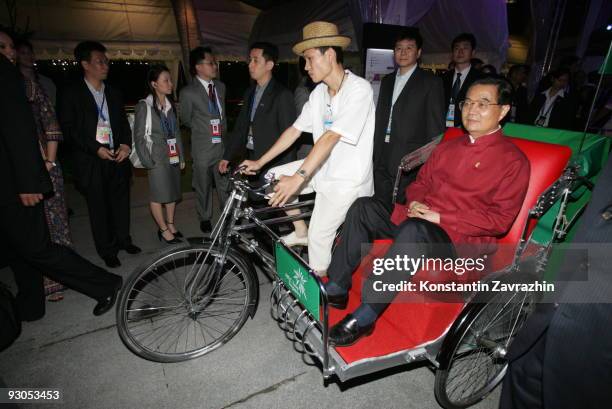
(192, 299)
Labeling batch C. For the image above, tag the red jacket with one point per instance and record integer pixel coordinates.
(478, 189)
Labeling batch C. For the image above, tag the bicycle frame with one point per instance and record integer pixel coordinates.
(227, 227)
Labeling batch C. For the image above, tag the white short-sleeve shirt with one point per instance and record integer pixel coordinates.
(349, 166)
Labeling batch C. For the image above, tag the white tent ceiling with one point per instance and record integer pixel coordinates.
(226, 25)
(130, 29)
(146, 29)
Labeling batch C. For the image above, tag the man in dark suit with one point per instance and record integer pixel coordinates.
(24, 236)
(563, 355)
(555, 107)
(457, 81)
(93, 119)
(268, 110)
(409, 114)
(518, 76)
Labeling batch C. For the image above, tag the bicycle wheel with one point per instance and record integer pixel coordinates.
(185, 304)
(476, 348)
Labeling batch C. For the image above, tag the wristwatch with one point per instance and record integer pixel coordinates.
(302, 173)
(53, 164)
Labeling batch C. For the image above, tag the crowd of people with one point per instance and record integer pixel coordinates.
(561, 100)
(35, 235)
(358, 145)
(357, 148)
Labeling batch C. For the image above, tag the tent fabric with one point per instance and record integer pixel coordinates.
(225, 25)
(398, 12)
(146, 29)
(486, 19)
(138, 29)
(129, 29)
(282, 25)
(439, 21)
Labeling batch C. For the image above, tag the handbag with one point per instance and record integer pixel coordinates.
(136, 162)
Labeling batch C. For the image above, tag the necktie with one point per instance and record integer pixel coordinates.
(456, 87)
(213, 98)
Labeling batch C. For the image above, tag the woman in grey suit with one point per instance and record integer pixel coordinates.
(165, 158)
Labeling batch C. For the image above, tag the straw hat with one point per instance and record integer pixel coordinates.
(320, 34)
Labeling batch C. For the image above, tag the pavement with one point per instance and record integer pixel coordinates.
(82, 355)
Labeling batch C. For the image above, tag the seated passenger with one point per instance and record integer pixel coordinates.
(468, 192)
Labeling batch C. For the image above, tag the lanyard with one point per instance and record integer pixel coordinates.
(214, 107)
(550, 107)
(168, 124)
(252, 105)
(101, 108)
(329, 111)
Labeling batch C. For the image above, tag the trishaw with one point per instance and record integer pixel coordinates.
(190, 300)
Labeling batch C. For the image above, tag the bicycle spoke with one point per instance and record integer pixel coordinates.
(163, 320)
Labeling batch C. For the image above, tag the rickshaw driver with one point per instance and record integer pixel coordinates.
(468, 192)
(339, 168)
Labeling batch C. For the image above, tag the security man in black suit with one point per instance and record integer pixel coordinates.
(457, 81)
(93, 119)
(562, 358)
(24, 236)
(409, 114)
(268, 110)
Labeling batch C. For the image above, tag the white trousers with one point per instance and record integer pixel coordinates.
(328, 214)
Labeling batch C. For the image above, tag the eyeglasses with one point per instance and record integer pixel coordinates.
(482, 105)
(100, 61)
(400, 50)
(211, 63)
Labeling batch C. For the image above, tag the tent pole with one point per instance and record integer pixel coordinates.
(188, 28)
(603, 72)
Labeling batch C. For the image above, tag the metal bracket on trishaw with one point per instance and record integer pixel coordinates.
(299, 304)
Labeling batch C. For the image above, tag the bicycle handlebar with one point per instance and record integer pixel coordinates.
(242, 183)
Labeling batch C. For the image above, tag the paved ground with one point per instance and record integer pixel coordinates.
(82, 355)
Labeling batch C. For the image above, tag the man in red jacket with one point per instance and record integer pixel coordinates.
(466, 195)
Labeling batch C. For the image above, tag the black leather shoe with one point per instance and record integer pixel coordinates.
(205, 226)
(348, 331)
(131, 249)
(107, 303)
(111, 261)
(338, 301)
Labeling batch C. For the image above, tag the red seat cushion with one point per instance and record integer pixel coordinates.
(410, 324)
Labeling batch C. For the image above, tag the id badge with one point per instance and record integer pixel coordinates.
(215, 128)
(450, 116)
(103, 133)
(173, 154)
(250, 143)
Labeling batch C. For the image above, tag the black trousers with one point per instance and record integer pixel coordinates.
(522, 386)
(369, 219)
(108, 202)
(30, 254)
(384, 182)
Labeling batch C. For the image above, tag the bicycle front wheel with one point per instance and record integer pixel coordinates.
(186, 303)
